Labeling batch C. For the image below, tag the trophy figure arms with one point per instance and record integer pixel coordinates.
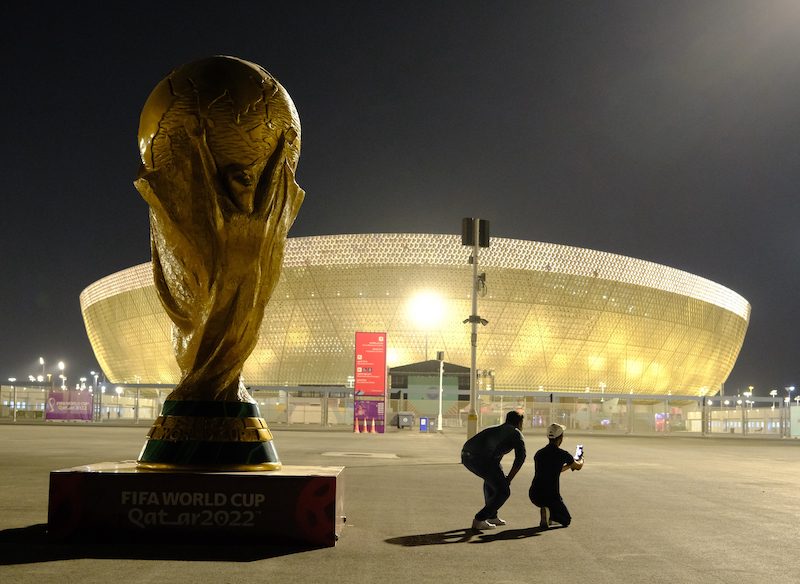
(220, 141)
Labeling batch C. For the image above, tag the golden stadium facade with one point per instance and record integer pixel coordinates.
(560, 318)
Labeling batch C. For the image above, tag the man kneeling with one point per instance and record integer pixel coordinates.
(549, 463)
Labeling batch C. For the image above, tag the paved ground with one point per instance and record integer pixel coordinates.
(648, 510)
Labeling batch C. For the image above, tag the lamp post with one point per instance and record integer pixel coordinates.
(440, 357)
(13, 380)
(747, 403)
(726, 403)
(773, 393)
(95, 393)
(119, 393)
(41, 362)
(63, 377)
(474, 233)
(788, 417)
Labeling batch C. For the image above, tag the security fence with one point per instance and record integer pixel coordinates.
(333, 407)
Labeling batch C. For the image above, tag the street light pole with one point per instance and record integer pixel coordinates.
(118, 390)
(440, 356)
(14, 395)
(475, 233)
(789, 389)
(747, 395)
(100, 413)
(472, 418)
(773, 393)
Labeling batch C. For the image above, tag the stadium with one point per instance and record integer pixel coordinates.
(560, 318)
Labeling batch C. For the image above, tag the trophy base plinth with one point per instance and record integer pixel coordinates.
(123, 502)
(209, 435)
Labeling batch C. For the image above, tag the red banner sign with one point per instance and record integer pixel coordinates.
(370, 369)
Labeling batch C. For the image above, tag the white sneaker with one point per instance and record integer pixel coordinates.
(481, 525)
(496, 520)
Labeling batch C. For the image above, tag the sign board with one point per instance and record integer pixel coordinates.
(370, 364)
(369, 415)
(68, 404)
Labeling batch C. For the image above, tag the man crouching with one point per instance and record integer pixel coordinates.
(482, 453)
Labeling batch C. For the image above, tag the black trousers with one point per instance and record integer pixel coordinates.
(495, 485)
(558, 510)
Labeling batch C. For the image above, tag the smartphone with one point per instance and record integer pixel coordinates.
(579, 452)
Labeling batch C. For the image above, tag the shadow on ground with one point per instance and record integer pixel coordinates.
(467, 535)
(509, 534)
(30, 545)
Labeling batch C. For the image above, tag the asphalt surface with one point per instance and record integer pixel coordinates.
(645, 509)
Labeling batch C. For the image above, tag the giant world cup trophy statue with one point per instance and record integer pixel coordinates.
(219, 140)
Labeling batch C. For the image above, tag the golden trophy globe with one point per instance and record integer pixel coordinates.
(219, 140)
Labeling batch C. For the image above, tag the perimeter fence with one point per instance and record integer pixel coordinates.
(332, 407)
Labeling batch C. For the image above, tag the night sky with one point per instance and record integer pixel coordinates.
(666, 131)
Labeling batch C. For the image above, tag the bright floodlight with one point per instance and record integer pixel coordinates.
(426, 310)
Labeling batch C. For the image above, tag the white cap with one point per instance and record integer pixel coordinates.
(555, 430)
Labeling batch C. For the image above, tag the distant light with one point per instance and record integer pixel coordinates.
(426, 309)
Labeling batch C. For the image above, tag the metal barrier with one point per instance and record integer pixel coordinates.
(333, 407)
